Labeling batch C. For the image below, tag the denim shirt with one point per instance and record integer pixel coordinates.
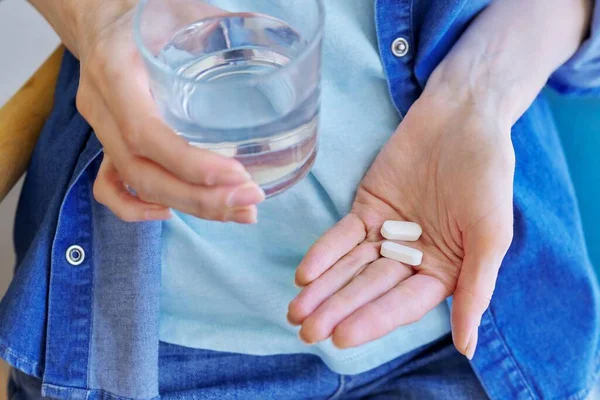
(87, 324)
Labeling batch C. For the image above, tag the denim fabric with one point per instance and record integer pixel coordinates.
(436, 371)
(91, 331)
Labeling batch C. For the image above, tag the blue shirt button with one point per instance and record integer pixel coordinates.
(75, 255)
(400, 47)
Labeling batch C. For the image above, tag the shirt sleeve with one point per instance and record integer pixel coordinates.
(580, 75)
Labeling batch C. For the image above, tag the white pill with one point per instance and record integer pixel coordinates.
(404, 254)
(401, 230)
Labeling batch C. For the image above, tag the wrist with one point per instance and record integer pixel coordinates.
(79, 22)
(510, 50)
(465, 83)
(94, 17)
(59, 14)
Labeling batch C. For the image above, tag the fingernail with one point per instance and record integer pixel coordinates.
(154, 214)
(246, 195)
(233, 178)
(243, 215)
(472, 346)
(299, 286)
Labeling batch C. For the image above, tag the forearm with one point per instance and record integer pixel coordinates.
(63, 17)
(77, 21)
(510, 50)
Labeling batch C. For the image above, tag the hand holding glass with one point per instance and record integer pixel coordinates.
(239, 77)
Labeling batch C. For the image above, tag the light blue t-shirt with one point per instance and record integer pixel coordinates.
(227, 287)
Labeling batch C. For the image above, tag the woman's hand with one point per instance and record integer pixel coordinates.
(454, 176)
(140, 151)
(449, 167)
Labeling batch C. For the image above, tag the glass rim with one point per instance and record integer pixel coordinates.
(147, 55)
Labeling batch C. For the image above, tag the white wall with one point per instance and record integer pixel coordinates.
(25, 42)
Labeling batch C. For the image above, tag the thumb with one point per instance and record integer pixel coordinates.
(485, 245)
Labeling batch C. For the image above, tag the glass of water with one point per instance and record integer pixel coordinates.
(239, 77)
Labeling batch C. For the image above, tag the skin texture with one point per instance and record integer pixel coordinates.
(449, 167)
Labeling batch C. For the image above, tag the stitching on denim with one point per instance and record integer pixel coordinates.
(9, 351)
(17, 361)
(91, 392)
(92, 291)
(511, 357)
(83, 205)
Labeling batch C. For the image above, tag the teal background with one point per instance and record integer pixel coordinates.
(578, 121)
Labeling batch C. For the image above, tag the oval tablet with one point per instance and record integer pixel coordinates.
(404, 254)
(401, 230)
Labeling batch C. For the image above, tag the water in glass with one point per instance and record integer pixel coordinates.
(222, 104)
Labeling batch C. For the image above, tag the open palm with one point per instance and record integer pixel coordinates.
(449, 168)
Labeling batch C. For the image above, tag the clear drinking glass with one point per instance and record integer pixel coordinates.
(239, 77)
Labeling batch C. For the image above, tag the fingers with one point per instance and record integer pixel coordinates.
(406, 303)
(486, 245)
(218, 203)
(111, 191)
(146, 135)
(153, 184)
(331, 281)
(332, 246)
(127, 98)
(373, 282)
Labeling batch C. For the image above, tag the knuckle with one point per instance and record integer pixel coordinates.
(123, 194)
(198, 210)
(337, 303)
(131, 178)
(147, 193)
(352, 259)
(369, 277)
(205, 208)
(130, 173)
